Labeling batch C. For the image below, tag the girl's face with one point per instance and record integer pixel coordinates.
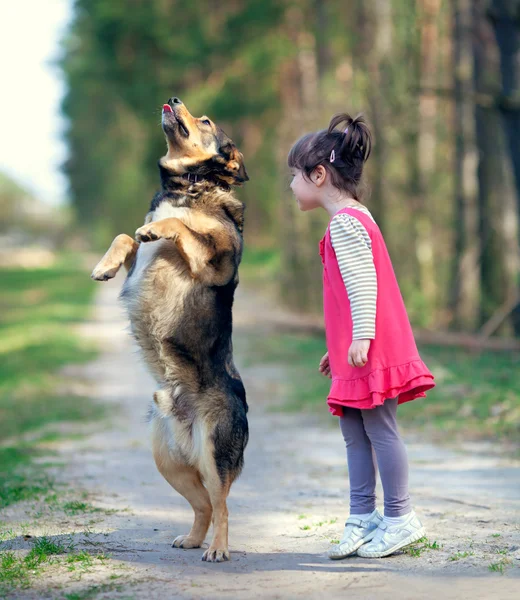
(305, 191)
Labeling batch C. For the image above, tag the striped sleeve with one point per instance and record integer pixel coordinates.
(353, 248)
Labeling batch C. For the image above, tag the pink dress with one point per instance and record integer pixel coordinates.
(394, 367)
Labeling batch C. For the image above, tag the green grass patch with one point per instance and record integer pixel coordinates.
(38, 309)
(94, 591)
(460, 555)
(421, 546)
(477, 395)
(16, 571)
(500, 566)
(76, 506)
(83, 560)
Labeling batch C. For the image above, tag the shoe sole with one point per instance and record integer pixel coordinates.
(410, 540)
(355, 548)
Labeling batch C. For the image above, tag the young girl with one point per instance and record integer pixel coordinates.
(372, 358)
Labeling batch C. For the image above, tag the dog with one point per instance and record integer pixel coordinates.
(182, 275)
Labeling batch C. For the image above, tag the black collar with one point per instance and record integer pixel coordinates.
(192, 177)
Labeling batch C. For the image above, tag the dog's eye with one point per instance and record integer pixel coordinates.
(206, 121)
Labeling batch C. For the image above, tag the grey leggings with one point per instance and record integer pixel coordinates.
(373, 440)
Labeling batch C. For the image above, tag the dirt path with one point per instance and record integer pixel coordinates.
(283, 508)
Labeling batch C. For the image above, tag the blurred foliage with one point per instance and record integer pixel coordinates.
(477, 394)
(268, 71)
(38, 309)
(24, 218)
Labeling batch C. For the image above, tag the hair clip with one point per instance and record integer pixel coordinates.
(345, 130)
(332, 156)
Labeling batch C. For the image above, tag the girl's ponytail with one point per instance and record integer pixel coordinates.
(356, 143)
(342, 151)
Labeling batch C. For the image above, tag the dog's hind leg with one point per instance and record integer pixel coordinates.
(186, 480)
(218, 493)
(122, 251)
(224, 458)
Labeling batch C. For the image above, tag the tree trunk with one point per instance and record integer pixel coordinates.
(423, 154)
(505, 17)
(299, 85)
(465, 301)
(374, 18)
(496, 191)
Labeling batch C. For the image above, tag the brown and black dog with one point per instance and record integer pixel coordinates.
(182, 275)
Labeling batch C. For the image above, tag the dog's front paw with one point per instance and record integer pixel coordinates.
(147, 233)
(215, 554)
(103, 271)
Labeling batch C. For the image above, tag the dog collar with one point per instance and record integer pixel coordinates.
(194, 178)
(191, 177)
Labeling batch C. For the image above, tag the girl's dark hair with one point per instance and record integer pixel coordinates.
(343, 152)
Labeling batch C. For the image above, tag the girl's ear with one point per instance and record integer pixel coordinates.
(318, 175)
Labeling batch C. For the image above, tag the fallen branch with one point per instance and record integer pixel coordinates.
(470, 341)
(499, 316)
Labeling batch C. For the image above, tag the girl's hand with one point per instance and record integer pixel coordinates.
(324, 367)
(358, 353)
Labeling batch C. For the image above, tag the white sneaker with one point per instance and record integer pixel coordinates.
(357, 532)
(390, 539)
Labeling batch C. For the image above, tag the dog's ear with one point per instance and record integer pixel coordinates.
(236, 167)
(233, 164)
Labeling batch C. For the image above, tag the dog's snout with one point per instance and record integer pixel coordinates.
(175, 100)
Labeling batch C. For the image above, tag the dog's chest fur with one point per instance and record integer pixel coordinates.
(148, 251)
(166, 210)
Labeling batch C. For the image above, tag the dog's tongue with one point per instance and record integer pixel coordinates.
(166, 108)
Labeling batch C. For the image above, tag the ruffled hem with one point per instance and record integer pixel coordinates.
(408, 382)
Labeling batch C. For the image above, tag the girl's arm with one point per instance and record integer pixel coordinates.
(353, 248)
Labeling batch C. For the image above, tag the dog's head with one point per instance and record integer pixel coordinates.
(198, 146)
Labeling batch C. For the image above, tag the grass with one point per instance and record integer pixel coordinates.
(83, 560)
(460, 555)
(76, 506)
(38, 309)
(477, 395)
(420, 547)
(500, 566)
(94, 591)
(16, 571)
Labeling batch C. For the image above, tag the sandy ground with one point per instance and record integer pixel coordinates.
(289, 503)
